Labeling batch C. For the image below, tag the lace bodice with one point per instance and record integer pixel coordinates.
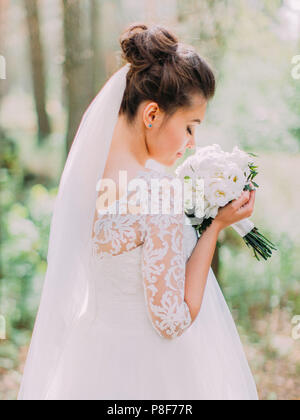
(163, 242)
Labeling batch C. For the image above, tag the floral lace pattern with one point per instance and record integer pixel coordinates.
(163, 259)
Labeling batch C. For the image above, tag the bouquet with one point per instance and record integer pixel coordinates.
(212, 179)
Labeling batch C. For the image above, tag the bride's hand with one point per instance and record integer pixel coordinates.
(236, 210)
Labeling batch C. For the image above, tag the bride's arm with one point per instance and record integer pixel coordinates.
(173, 289)
(199, 263)
(163, 270)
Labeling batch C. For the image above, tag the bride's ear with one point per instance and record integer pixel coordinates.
(151, 114)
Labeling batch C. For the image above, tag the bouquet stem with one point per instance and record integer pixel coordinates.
(253, 238)
(250, 234)
(259, 243)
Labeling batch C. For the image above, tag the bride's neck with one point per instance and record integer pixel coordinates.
(128, 149)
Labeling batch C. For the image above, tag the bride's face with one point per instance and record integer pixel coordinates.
(168, 142)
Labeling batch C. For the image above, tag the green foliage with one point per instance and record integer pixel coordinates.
(24, 237)
(255, 288)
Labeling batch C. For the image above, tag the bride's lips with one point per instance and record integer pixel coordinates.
(179, 154)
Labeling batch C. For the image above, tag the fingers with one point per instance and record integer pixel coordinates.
(252, 186)
(243, 199)
(251, 201)
(247, 209)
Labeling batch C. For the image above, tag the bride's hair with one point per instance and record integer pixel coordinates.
(163, 70)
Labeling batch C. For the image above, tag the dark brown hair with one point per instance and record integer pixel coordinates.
(162, 70)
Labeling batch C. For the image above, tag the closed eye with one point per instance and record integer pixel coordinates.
(189, 130)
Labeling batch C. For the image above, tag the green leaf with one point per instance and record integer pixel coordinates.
(252, 154)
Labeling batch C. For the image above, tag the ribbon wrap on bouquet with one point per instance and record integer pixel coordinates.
(243, 227)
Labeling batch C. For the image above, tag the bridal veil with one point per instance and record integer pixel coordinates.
(65, 290)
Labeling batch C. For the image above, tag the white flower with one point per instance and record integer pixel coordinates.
(241, 158)
(199, 212)
(224, 175)
(188, 193)
(213, 211)
(217, 193)
(237, 180)
(209, 150)
(184, 170)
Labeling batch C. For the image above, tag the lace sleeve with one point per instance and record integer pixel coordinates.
(163, 268)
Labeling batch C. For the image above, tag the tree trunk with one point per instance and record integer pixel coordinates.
(77, 67)
(38, 67)
(98, 68)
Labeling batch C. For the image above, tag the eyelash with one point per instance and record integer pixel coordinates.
(189, 130)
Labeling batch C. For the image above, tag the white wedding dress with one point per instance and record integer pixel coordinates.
(136, 340)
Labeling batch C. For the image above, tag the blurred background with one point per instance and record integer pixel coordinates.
(55, 56)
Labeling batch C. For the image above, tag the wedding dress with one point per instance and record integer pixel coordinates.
(135, 340)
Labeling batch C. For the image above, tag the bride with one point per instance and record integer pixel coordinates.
(131, 308)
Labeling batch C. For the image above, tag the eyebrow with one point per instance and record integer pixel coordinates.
(197, 120)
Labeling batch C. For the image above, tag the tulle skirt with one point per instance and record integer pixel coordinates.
(104, 361)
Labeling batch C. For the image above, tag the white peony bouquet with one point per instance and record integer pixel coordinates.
(213, 178)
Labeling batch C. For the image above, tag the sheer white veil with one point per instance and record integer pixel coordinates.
(65, 289)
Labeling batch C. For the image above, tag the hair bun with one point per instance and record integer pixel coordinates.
(144, 46)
